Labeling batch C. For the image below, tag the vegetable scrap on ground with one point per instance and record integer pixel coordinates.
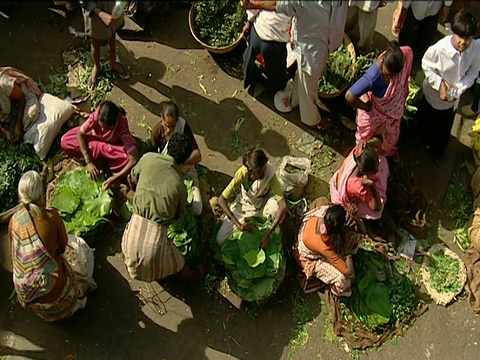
(219, 23)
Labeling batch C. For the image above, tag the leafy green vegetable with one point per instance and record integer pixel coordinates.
(338, 71)
(363, 64)
(254, 257)
(15, 160)
(444, 272)
(254, 274)
(81, 201)
(410, 109)
(219, 23)
(183, 232)
(381, 296)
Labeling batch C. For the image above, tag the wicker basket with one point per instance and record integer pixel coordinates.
(351, 49)
(216, 50)
(442, 298)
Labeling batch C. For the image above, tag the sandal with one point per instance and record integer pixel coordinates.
(124, 74)
(324, 124)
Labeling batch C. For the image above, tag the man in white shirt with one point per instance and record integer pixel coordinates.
(318, 31)
(420, 26)
(361, 23)
(269, 35)
(451, 67)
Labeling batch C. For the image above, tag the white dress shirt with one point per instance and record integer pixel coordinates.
(425, 8)
(271, 26)
(443, 62)
(318, 31)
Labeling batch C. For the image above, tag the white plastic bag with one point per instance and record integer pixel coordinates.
(79, 256)
(293, 183)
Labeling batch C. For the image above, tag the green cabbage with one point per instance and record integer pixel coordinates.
(254, 274)
(81, 201)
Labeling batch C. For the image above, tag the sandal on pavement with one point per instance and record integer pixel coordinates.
(324, 124)
(124, 74)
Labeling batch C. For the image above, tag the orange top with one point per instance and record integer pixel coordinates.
(322, 244)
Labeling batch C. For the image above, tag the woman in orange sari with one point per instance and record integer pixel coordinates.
(379, 97)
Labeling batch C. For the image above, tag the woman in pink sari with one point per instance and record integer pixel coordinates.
(379, 97)
(103, 141)
(360, 185)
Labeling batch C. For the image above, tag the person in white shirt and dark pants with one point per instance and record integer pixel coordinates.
(269, 35)
(451, 66)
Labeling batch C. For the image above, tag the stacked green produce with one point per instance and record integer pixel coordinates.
(382, 297)
(81, 201)
(15, 160)
(253, 273)
(183, 232)
(338, 71)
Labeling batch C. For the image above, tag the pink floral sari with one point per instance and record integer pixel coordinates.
(387, 112)
(338, 186)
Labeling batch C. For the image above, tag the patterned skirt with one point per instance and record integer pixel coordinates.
(149, 255)
(72, 298)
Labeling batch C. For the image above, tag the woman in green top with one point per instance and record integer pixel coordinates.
(257, 192)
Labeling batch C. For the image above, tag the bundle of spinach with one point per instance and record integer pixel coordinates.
(253, 273)
(381, 296)
(444, 273)
(14, 161)
(219, 23)
(183, 232)
(338, 71)
(81, 201)
(363, 64)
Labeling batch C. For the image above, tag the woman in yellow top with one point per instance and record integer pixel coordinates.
(257, 192)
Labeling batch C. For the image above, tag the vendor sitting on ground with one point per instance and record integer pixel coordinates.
(257, 192)
(360, 185)
(321, 248)
(103, 141)
(44, 281)
(172, 123)
(160, 198)
(16, 86)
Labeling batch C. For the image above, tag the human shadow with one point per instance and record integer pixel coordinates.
(231, 127)
(34, 37)
(159, 23)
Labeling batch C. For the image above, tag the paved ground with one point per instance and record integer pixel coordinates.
(195, 323)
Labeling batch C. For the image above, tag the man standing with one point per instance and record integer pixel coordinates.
(160, 198)
(361, 23)
(318, 31)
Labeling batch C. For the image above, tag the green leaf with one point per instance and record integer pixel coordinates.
(255, 257)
